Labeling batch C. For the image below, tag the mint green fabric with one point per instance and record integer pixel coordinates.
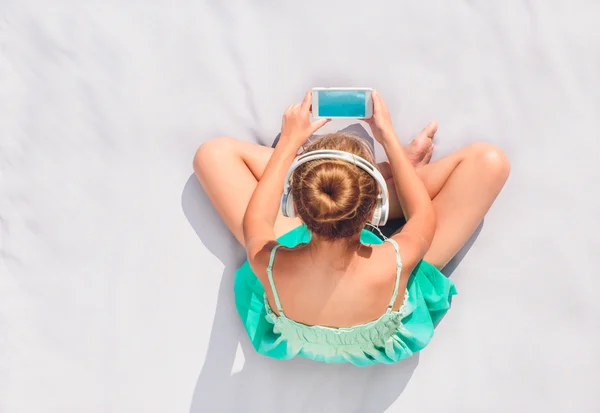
(392, 337)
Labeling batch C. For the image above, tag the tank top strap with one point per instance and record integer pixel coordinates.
(398, 271)
(270, 274)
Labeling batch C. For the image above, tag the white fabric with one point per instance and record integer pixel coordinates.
(116, 273)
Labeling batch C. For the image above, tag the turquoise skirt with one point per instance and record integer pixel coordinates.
(428, 298)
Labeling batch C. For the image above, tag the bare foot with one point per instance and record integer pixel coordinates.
(420, 149)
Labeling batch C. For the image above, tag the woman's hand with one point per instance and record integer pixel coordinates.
(296, 126)
(380, 122)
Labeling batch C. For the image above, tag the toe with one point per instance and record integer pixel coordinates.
(430, 129)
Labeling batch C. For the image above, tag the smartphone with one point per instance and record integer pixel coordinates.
(342, 102)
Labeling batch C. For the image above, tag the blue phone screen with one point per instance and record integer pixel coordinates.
(342, 103)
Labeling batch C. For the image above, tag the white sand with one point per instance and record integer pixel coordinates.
(116, 274)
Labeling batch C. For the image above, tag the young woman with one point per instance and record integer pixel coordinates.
(321, 286)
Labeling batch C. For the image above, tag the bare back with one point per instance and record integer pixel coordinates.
(339, 291)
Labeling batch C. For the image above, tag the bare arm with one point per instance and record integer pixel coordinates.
(414, 200)
(417, 234)
(263, 207)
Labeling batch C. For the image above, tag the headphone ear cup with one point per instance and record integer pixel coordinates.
(283, 204)
(383, 214)
(290, 206)
(287, 205)
(380, 214)
(376, 215)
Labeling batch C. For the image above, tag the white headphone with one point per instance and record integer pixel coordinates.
(380, 215)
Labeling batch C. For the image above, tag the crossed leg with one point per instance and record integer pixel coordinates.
(229, 170)
(462, 185)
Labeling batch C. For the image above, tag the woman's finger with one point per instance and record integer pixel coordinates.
(307, 101)
(377, 102)
(319, 124)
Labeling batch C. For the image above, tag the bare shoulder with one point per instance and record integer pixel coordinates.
(284, 260)
(381, 265)
(383, 262)
(259, 258)
(412, 247)
(382, 272)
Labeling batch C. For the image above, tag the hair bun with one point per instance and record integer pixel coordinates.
(331, 192)
(335, 198)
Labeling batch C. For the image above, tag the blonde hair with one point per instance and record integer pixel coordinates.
(334, 198)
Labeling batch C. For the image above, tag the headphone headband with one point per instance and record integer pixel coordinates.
(381, 210)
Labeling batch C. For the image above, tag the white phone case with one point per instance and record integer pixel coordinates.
(368, 101)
